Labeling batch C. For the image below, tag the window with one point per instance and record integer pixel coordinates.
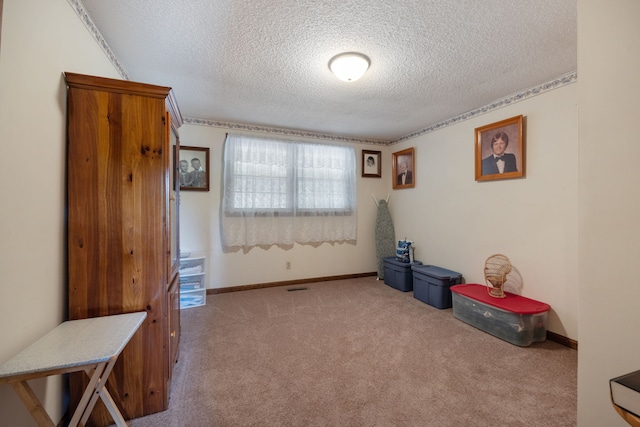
(265, 178)
(257, 176)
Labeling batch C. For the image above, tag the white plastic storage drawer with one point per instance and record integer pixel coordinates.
(192, 282)
(190, 299)
(192, 266)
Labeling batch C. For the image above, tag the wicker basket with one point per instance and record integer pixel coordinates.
(496, 268)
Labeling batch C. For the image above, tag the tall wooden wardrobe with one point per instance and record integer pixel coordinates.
(122, 230)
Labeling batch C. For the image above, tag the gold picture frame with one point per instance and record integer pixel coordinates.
(499, 150)
(404, 169)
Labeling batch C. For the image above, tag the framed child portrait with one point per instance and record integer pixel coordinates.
(371, 165)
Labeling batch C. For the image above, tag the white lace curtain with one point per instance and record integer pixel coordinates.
(278, 192)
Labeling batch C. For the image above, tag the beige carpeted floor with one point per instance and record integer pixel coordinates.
(357, 353)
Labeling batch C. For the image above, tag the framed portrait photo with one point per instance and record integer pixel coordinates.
(371, 166)
(404, 169)
(192, 170)
(499, 150)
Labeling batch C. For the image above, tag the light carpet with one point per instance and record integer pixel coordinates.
(357, 353)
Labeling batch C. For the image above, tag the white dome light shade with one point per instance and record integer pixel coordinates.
(349, 66)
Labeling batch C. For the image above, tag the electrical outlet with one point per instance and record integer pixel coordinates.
(288, 265)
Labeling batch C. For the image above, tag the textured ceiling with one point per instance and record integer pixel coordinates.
(263, 63)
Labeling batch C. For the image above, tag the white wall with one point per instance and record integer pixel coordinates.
(580, 260)
(40, 40)
(609, 107)
(451, 218)
(200, 232)
(457, 222)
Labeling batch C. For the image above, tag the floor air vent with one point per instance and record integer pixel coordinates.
(297, 289)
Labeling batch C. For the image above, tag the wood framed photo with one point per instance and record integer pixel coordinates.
(193, 168)
(371, 164)
(404, 169)
(500, 150)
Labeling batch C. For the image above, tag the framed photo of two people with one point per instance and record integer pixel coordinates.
(500, 150)
(193, 168)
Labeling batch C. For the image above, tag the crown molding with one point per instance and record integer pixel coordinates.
(281, 131)
(78, 7)
(561, 81)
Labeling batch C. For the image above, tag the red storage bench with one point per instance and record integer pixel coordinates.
(516, 319)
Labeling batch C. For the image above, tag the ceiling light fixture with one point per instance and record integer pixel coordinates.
(349, 66)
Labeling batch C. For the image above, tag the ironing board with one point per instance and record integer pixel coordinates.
(385, 237)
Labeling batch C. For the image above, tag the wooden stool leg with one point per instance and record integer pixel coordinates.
(100, 391)
(31, 402)
(83, 405)
(112, 408)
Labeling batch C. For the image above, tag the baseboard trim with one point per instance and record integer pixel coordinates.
(551, 336)
(287, 283)
(560, 339)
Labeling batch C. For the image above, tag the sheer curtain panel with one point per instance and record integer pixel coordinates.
(278, 192)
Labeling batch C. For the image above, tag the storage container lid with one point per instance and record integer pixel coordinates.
(511, 302)
(437, 272)
(395, 261)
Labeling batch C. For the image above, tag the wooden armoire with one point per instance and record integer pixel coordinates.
(123, 252)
